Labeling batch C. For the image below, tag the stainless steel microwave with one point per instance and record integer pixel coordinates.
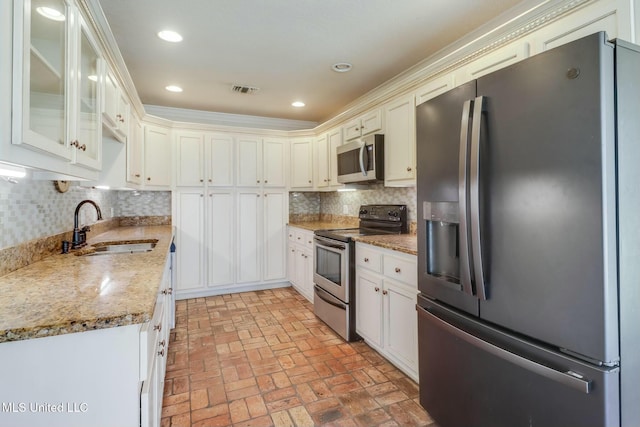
(361, 160)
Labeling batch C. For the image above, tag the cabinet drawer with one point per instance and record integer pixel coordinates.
(368, 258)
(400, 269)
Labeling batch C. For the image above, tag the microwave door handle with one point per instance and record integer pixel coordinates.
(362, 168)
(463, 212)
(474, 196)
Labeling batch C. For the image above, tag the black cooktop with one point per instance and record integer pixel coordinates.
(374, 220)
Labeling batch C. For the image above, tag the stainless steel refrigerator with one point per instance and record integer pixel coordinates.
(529, 243)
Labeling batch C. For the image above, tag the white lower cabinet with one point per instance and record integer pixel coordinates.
(230, 240)
(104, 377)
(300, 260)
(386, 297)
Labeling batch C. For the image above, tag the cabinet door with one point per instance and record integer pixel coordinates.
(110, 103)
(134, 152)
(274, 164)
(220, 160)
(401, 323)
(220, 236)
(400, 141)
(352, 129)
(302, 164)
(292, 271)
(434, 88)
(307, 280)
(248, 236)
(371, 122)
(190, 231)
(275, 234)
(249, 162)
(157, 156)
(190, 161)
(42, 107)
(88, 125)
(369, 307)
(300, 270)
(322, 148)
(334, 139)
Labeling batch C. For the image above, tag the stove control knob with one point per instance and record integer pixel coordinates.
(393, 213)
(363, 212)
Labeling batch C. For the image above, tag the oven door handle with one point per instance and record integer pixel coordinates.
(320, 291)
(328, 243)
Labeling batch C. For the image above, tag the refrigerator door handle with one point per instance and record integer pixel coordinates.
(362, 168)
(474, 197)
(463, 213)
(568, 379)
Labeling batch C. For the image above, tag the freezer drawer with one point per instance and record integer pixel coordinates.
(467, 381)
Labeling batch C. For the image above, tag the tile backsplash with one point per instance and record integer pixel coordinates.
(33, 209)
(348, 202)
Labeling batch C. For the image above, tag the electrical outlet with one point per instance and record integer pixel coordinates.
(345, 209)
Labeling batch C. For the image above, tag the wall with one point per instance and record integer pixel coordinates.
(334, 202)
(34, 209)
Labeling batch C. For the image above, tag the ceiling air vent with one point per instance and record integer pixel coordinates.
(249, 90)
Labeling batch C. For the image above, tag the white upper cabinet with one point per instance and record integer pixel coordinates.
(56, 101)
(274, 162)
(364, 125)
(219, 158)
(190, 159)
(115, 108)
(302, 163)
(506, 55)
(434, 88)
(135, 151)
(400, 142)
(327, 163)
(260, 162)
(157, 156)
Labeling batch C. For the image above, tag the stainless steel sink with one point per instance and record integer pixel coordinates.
(127, 247)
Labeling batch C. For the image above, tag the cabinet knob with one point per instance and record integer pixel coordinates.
(384, 292)
(265, 181)
(257, 195)
(397, 270)
(158, 327)
(309, 242)
(258, 181)
(161, 353)
(210, 180)
(162, 343)
(293, 250)
(148, 178)
(309, 181)
(137, 175)
(377, 289)
(202, 180)
(409, 169)
(366, 260)
(210, 194)
(298, 238)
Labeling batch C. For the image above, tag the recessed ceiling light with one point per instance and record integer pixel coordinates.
(172, 88)
(297, 104)
(50, 13)
(341, 67)
(170, 36)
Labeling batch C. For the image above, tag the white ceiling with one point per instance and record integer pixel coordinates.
(284, 47)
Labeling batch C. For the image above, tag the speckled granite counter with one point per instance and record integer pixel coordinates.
(67, 293)
(406, 243)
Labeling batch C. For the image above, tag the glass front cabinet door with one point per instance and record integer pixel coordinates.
(59, 92)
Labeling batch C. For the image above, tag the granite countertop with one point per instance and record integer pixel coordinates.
(407, 243)
(66, 293)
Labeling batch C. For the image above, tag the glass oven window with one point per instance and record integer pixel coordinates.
(328, 265)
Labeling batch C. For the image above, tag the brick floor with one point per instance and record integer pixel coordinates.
(263, 359)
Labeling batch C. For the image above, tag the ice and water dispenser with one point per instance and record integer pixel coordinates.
(443, 251)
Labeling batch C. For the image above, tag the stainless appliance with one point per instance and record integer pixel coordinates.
(528, 231)
(334, 264)
(362, 160)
